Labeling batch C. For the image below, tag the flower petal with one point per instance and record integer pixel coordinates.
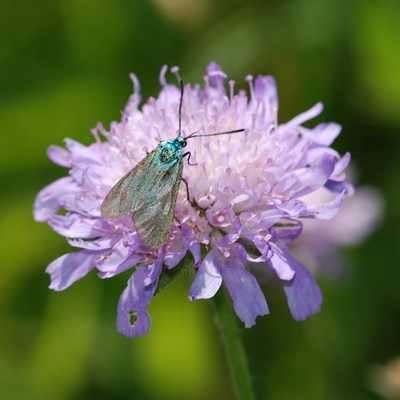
(306, 180)
(279, 263)
(324, 134)
(67, 269)
(105, 243)
(327, 210)
(342, 164)
(340, 186)
(248, 299)
(303, 117)
(59, 156)
(111, 270)
(115, 262)
(133, 319)
(50, 199)
(302, 292)
(208, 279)
(77, 226)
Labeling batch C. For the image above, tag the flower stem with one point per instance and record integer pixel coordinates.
(226, 322)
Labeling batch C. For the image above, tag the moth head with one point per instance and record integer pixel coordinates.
(181, 140)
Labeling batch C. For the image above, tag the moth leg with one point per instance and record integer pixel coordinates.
(188, 160)
(187, 196)
(194, 205)
(187, 190)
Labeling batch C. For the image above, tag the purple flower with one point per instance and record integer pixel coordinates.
(248, 187)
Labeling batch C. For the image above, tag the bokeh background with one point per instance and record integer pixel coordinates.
(64, 66)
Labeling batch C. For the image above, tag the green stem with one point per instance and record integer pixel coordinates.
(226, 322)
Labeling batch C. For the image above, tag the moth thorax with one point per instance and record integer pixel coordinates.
(168, 153)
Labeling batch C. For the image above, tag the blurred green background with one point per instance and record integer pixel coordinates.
(64, 66)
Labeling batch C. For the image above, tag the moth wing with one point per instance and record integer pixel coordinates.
(155, 211)
(123, 197)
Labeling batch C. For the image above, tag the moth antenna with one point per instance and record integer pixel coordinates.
(192, 135)
(180, 109)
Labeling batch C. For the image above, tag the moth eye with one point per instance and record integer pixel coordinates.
(181, 140)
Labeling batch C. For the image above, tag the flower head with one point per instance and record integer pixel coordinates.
(244, 204)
